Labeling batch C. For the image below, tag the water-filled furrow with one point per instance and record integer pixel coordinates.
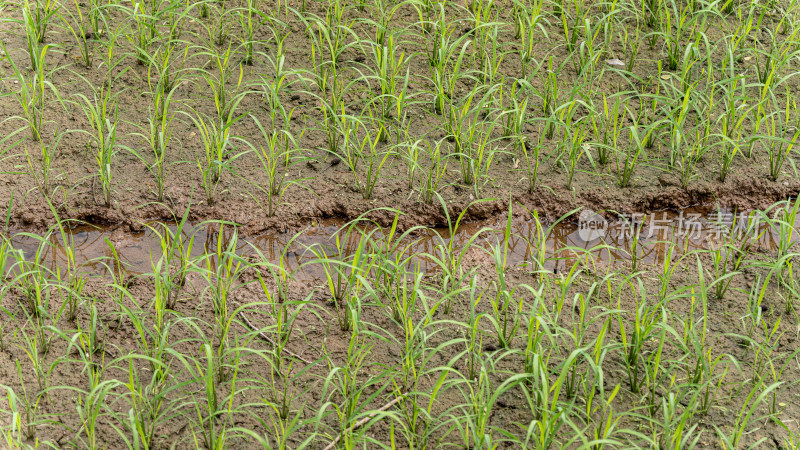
(651, 238)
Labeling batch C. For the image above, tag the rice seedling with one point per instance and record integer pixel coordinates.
(250, 20)
(40, 15)
(529, 18)
(764, 346)
(214, 409)
(284, 312)
(218, 152)
(445, 59)
(473, 338)
(483, 398)
(282, 423)
(79, 28)
(676, 21)
(728, 256)
(102, 113)
(633, 237)
(626, 160)
(175, 263)
(369, 152)
(776, 376)
(277, 156)
(143, 17)
(644, 327)
(532, 155)
(40, 168)
(702, 365)
(25, 414)
(33, 89)
(388, 74)
(607, 128)
(167, 65)
(780, 140)
(507, 304)
(430, 178)
(515, 114)
(151, 334)
(744, 417)
(474, 146)
(12, 432)
(221, 275)
(226, 100)
(33, 279)
(782, 218)
(35, 346)
(536, 251)
(342, 271)
(278, 81)
(72, 283)
(393, 259)
(343, 390)
(119, 280)
(158, 137)
(575, 150)
(150, 405)
(736, 112)
(448, 257)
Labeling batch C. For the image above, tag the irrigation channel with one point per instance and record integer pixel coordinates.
(650, 237)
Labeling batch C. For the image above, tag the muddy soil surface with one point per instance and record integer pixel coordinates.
(599, 268)
(322, 197)
(321, 187)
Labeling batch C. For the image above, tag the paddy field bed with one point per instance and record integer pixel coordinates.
(399, 224)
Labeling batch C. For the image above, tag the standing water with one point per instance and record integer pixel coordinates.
(593, 237)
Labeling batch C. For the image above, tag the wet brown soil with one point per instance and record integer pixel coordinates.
(689, 233)
(320, 202)
(323, 190)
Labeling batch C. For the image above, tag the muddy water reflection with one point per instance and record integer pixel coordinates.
(605, 242)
